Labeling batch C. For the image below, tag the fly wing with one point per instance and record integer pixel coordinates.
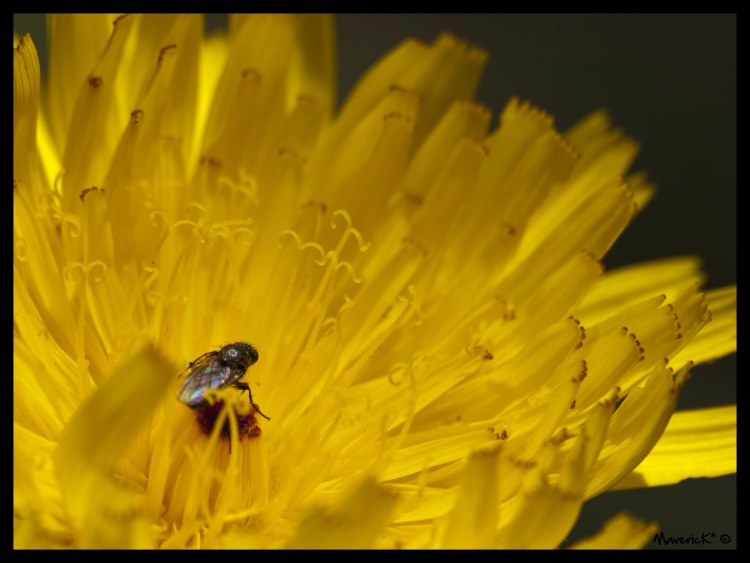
(203, 359)
(201, 378)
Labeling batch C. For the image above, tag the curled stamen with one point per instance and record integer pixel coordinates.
(73, 221)
(344, 215)
(69, 272)
(329, 256)
(189, 222)
(348, 304)
(317, 247)
(246, 240)
(332, 257)
(224, 184)
(96, 263)
(350, 269)
(292, 234)
(349, 230)
(301, 245)
(84, 270)
(329, 326)
(21, 249)
(362, 245)
(220, 230)
(398, 369)
(158, 218)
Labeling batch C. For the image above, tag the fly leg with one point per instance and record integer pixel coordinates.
(242, 386)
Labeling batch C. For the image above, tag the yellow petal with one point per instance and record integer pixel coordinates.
(40, 293)
(543, 518)
(251, 95)
(78, 41)
(629, 285)
(620, 532)
(212, 55)
(414, 66)
(106, 513)
(313, 64)
(636, 427)
(541, 515)
(719, 337)
(96, 120)
(172, 103)
(354, 524)
(36, 493)
(696, 443)
(472, 523)
(27, 166)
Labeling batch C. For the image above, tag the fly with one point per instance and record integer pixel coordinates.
(216, 370)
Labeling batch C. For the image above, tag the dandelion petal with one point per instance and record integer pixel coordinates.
(354, 524)
(620, 532)
(472, 522)
(696, 443)
(107, 514)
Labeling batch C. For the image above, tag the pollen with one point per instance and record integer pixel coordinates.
(206, 417)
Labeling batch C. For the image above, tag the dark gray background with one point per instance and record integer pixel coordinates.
(670, 81)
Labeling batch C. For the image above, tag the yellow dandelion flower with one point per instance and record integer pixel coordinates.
(441, 359)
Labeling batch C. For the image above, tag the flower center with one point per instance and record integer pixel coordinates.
(247, 425)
